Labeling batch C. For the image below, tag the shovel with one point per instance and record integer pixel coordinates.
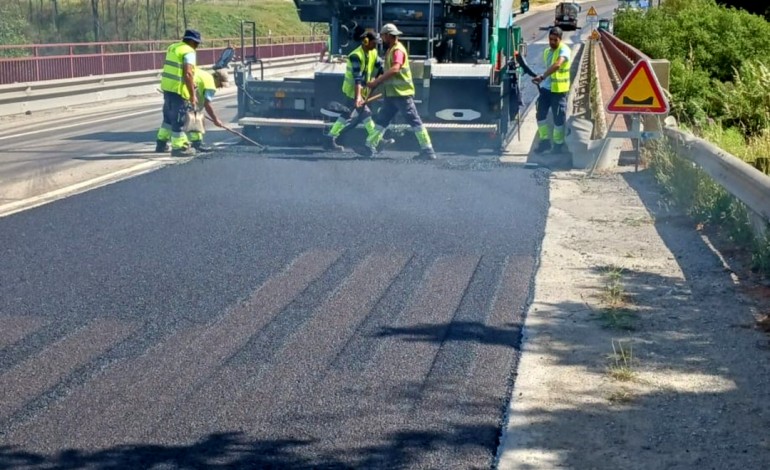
(335, 109)
(234, 132)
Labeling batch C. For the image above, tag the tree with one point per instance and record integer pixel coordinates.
(12, 28)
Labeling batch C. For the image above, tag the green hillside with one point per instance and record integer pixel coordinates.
(115, 20)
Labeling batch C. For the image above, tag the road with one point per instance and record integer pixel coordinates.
(292, 309)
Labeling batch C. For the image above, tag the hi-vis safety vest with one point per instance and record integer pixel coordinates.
(173, 70)
(560, 78)
(368, 61)
(400, 84)
(203, 81)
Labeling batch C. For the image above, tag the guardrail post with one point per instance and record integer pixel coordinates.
(130, 65)
(101, 56)
(37, 63)
(72, 62)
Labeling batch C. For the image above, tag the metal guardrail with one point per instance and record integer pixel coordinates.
(743, 181)
(740, 179)
(20, 98)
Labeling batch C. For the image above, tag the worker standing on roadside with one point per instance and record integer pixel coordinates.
(399, 95)
(206, 86)
(178, 85)
(362, 65)
(554, 88)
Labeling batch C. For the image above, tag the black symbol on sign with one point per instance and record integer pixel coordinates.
(629, 101)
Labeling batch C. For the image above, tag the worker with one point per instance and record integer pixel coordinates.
(399, 95)
(362, 65)
(206, 86)
(554, 88)
(178, 85)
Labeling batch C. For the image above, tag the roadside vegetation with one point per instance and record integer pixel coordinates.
(720, 77)
(55, 21)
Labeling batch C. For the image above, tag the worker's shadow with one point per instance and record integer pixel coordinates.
(310, 154)
(147, 154)
(141, 137)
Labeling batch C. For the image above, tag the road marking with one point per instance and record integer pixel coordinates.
(34, 376)
(68, 126)
(133, 396)
(99, 181)
(15, 328)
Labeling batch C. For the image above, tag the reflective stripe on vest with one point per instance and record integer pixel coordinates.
(173, 70)
(368, 62)
(400, 84)
(560, 78)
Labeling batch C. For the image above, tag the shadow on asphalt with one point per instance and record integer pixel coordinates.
(234, 450)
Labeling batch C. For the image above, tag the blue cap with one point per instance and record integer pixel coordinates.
(192, 35)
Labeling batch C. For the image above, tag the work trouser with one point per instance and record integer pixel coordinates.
(341, 122)
(393, 105)
(557, 104)
(174, 109)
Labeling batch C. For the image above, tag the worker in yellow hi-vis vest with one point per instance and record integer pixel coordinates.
(554, 88)
(178, 85)
(363, 65)
(399, 95)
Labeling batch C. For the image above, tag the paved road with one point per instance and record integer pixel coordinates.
(290, 309)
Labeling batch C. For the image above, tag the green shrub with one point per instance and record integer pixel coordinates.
(713, 51)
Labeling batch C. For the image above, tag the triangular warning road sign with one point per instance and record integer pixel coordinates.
(592, 12)
(640, 93)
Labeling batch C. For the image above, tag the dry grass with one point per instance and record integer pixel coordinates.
(622, 366)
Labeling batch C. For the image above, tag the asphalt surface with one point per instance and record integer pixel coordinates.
(284, 310)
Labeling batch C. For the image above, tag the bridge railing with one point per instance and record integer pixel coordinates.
(38, 62)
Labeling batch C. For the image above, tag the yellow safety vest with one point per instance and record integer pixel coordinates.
(203, 81)
(368, 61)
(560, 78)
(400, 84)
(172, 77)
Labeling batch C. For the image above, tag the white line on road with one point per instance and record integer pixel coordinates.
(51, 129)
(136, 170)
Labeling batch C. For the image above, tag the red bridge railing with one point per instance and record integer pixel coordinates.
(622, 55)
(36, 62)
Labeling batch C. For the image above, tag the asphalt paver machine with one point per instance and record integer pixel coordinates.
(460, 54)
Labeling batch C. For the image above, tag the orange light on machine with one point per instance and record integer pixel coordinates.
(280, 94)
(451, 31)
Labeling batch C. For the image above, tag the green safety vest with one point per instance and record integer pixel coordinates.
(400, 84)
(368, 61)
(172, 78)
(203, 81)
(560, 78)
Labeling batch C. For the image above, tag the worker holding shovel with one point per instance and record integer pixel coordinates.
(362, 65)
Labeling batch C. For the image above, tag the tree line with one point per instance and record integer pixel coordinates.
(41, 21)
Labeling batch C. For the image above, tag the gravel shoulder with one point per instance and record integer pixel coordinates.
(674, 376)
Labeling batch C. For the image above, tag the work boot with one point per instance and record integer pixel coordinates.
(161, 146)
(560, 148)
(186, 151)
(385, 143)
(200, 147)
(365, 151)
(425, 154)
(543, 146)
(331, 144)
